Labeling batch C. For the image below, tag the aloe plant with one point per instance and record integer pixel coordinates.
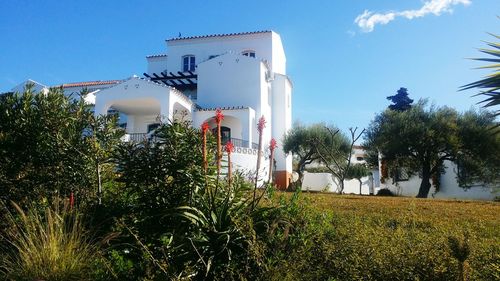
(221, 235)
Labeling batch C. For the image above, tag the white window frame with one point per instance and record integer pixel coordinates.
(191, 63)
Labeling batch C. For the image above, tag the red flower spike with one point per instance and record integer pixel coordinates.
(273, 144)
(219, 116)
(205, 127)
(229, 147)
(261, 124)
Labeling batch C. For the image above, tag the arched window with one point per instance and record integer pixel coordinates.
(249, 53)
(188, 63)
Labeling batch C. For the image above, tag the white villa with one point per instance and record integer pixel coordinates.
(243, 74)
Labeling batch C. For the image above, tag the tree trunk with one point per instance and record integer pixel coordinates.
(425, 185)
(341, 183)
(360, 185)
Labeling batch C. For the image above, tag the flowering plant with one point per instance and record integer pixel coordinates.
(229, 147)
(261, 124)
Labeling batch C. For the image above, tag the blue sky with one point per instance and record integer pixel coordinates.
(342, 70)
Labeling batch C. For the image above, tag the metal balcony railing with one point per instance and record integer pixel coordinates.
(140, 137)
(137, 137)
(243, 143)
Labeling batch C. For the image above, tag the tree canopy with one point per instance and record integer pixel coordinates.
(401, 101)
(302, 142)
(421, 138)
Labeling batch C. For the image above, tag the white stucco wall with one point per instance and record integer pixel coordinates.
(449, 188)
(318, 182)
(143, 102)
(325, 182)
(37, 87)
(279, 58)
(247, 163)
(233, 81)
(266, 46)
(157, 64)
(282, 118)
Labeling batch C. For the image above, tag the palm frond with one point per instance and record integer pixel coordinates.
(490, 84)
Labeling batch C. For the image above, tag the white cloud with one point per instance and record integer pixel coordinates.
(367, 20)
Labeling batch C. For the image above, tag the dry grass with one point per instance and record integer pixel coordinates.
(395, 238)
(448, 212)
(50, 245)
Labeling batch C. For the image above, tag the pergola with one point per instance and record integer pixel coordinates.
(181, 81)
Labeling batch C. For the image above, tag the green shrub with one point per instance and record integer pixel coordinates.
(385, 192)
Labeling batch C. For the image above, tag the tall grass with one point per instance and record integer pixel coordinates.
(46, 245)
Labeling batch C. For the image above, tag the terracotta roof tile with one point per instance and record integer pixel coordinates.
(157, 56)
(223, 108)
(90, 83)
(218, 35)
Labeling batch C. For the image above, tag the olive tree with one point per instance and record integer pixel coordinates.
(302, 141)
(422, 138)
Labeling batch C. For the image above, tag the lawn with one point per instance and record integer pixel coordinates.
(395, 238)
(454, 213)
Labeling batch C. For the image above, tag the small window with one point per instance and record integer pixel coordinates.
(249, 54)
(188, 63)
(401, 174)
(360, 158)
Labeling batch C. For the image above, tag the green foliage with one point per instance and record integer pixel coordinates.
(426, 137)
(223, 243)
(50, 246)
(171, 220)
(401, 101)
(358, 171)
(385, 192)
(490, 85)
(302, 142)
(176, 221)
(49, 145)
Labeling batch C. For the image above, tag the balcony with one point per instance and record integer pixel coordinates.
(243, 143)
(140, 137)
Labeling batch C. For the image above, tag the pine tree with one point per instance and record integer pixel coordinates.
(401, 101)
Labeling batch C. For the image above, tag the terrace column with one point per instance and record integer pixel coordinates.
(246, 129)
(101, 109)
